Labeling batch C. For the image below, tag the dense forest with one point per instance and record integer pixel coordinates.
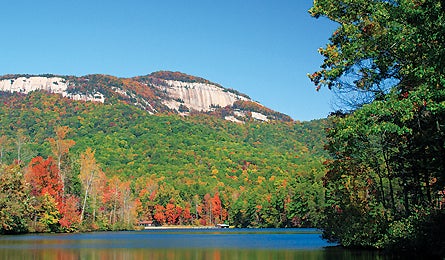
(385, 185)
(73, 165)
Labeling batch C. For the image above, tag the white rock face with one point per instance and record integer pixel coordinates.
(52, 85)
(97, 97)
(198, 96)
(259, 116)
(233, 119)
(26, 85)
(195, 96)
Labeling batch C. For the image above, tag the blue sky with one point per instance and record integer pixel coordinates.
(263, 48)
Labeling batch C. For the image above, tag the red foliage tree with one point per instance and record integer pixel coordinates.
(159, 214)
(43, 175)
(170, 213)
(186, 215)
(70, 212)
(216, 207)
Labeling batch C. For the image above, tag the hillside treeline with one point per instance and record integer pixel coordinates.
(73, 165)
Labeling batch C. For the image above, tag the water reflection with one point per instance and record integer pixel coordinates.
(177, 244)
(186, 254)
(171, 253)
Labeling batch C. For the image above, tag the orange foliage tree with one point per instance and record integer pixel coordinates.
(70, 213)
(44, 178)
(159, 214)
(46, 187)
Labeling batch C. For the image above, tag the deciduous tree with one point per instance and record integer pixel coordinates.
(70, 213)
(387, 60)
(46, 187)
(44, 178)
(60, 146)
(89, 176)
(15, 206)
(3, 146)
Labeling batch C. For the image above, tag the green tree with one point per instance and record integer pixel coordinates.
(387, 61)
(49, 214)
(15, 206)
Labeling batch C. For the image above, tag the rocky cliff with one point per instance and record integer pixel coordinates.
(198, 96)
(49, 84)
(156, 92)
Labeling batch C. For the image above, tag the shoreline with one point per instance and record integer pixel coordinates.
(180, 227)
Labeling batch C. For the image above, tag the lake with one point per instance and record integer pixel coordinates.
(178, 244)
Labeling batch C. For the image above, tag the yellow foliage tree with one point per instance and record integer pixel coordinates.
(90, 176)
(60, 146)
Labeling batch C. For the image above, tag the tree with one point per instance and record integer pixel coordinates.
(3, 145)
(44, 178)
(387, 60)
(21, 140)
(126, 204)
(171, 213)
(182, 108)
(46, 187)
(381, 45)
(70, 213)
(15, 206)
(159, 215)
(216, 208)
(60, 146)
(207, 209)
(113, 196)
(186, 215)
(49, 214)
(146, 188)
(89, 176)
(118, 204)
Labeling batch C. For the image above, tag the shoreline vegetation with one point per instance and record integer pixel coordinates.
(182, 227)
(178, 227)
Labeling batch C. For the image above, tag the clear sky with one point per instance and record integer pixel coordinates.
(263, 48)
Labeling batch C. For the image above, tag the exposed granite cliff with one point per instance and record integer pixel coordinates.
(56, 85)
(156, 92)
(198, 96)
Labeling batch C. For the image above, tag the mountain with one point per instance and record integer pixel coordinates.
(148, 161)
(158, 92)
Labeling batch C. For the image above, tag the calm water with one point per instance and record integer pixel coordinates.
(178, 244)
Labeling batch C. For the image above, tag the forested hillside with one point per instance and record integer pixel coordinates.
(78, 165)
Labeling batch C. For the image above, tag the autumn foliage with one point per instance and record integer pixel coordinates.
(43, 175)
(112, 166)
(51, 204)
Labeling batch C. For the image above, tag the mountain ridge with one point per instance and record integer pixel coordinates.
(158, 92)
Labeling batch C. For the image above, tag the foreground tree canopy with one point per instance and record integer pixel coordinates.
(386, 180)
